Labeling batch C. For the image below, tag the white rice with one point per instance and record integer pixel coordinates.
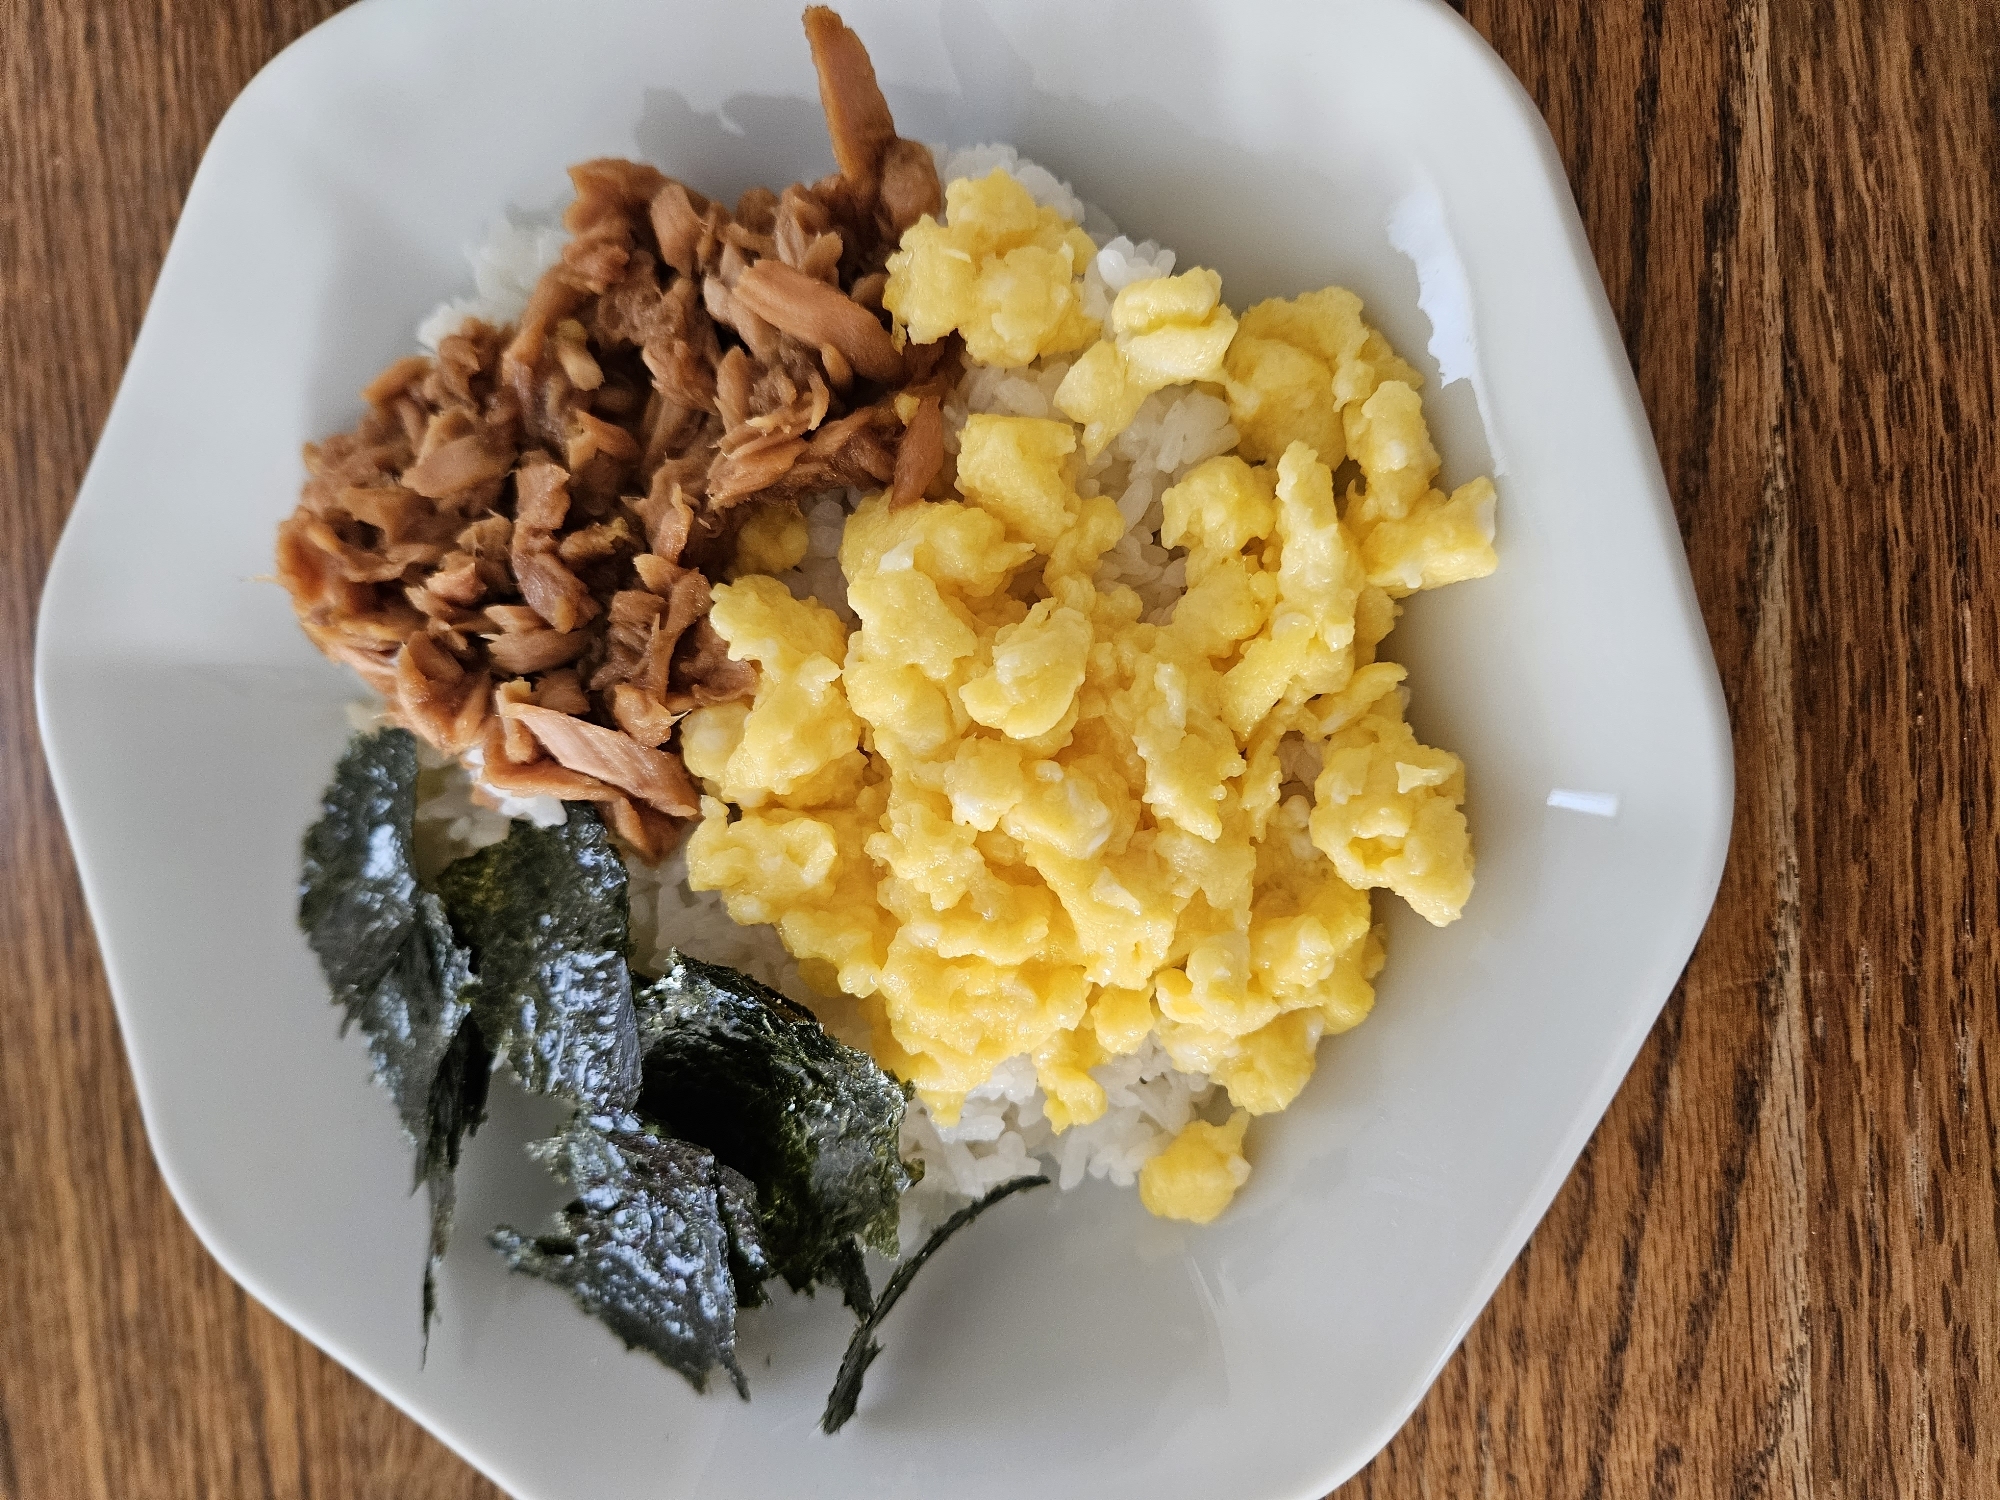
(1003, 1130)
(505, 269)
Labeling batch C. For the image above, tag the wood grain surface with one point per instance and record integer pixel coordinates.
(1776, 1270)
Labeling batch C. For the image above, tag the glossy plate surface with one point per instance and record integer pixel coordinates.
(1070, 1343)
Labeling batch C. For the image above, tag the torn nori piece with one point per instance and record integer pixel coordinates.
(749, 1265)
(647, 1246)
(862, 1348)
(738, 1068)
(458, 1104)
(388, 952)
(546, 914)
(358, 884)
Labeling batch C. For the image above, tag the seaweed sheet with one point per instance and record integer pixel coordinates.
(734, 1066)
(389, 954)
(546, 914)
(648, 1245)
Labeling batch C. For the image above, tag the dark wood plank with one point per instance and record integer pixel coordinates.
(1893, 264)
(1776, 1270)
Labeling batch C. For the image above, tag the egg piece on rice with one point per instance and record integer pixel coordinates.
(1079, 794)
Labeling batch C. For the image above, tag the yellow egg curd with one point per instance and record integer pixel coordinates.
(1006, 815)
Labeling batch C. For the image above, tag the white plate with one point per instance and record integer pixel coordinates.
(1071, 1343)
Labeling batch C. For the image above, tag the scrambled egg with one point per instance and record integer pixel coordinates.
(1011, 817)
(1196, 1176)
(774, 539)
(1167, 330)
(1002, 271)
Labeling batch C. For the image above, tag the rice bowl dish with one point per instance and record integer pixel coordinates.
(942, 758)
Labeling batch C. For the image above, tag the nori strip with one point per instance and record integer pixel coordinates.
(547, 916)
(387, 949)
(738, 1068)
(358, 885)
(749, 1265)
(458, 1104)
(862, 1348)
(646, 1245)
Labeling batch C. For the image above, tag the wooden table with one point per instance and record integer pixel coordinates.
(1776, 1271)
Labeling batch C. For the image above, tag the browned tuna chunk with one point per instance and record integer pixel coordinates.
(857, 116)
(815, 314)
(514, 543)
(659, 781)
